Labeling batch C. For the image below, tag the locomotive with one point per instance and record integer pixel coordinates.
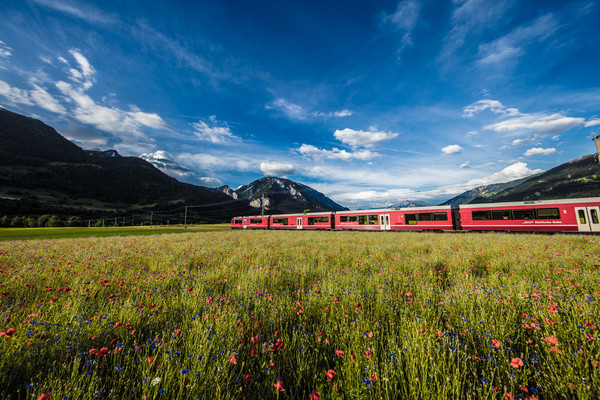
(565, 215)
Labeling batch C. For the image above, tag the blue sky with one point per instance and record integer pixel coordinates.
(368, 102)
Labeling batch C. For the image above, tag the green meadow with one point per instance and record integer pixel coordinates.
(300, 315)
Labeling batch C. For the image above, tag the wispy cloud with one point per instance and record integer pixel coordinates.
(404, 20)
(511, 45)
(470, 16)
(79, 10)
(170, 48)
(287, 108)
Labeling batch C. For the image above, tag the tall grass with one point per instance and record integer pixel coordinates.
(340, 315)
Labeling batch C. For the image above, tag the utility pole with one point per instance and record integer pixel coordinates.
(185, 218)
(597, 147)
(151, 212)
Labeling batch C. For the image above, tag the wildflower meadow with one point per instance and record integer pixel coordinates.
(301, 315)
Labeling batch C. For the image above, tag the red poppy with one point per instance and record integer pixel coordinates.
(551, 339)
(150, 359)
(247, 378)
(374, 377)
(495, 343)
(103, 352)
(339, 353)
(232, 359)
(44, 396)
(8, 333)
(271, 365)
(315, 395)
(508, 396)
(279, 386)
(516, 362)
(367, 354)
(330, 374)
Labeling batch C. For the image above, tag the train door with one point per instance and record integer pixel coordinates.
(384, 222)
(588, 219)
(299, 223)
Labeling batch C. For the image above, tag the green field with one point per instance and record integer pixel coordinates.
(70, 233)
(299, 315)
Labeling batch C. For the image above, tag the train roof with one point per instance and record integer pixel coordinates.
(533, 202)
(385, 210)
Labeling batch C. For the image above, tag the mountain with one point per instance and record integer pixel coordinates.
(42, 172)
(282, 196)
(482, 192)
(574, 179)
(409, 203)
(228, 191)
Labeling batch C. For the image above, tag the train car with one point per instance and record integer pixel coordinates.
(308, 221)
(568, 215)
(255, 222)
(438, 218)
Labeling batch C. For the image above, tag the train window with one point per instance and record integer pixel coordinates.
(317, 220)
(524, 214)
(440, 216)
(501, 215)
(480, 215)
(548, 213)
(256, 221)
(348, 218)
(594, 216)
(425, 217)
(283, 221)
(410, 219)
(368, 220)
(237, 221)
(582, 219)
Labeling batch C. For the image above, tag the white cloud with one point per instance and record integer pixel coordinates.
(214, 133)
(543, 124)
(291, 110)
(210, 182)
(335, 153)
(515, 171)
(524, 142)
(536, 151)
(493, 105)
(363, 138)
(277, 168)
(466, 164)
(337, 114)
(452, 149)
(342, 113)
(592, 122)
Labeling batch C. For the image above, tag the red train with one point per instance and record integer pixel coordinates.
(568, 215)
